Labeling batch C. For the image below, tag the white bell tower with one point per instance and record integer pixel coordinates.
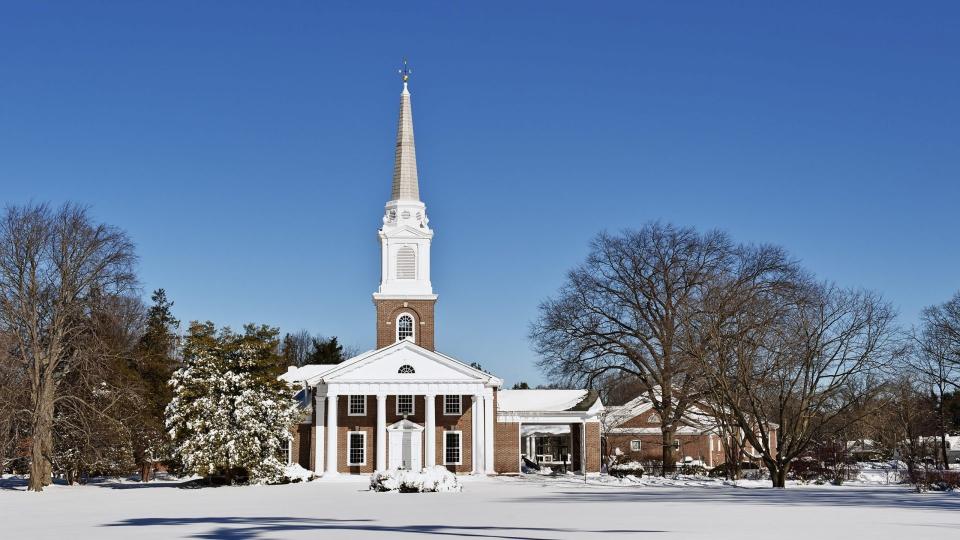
(405, 236)
(405, 245)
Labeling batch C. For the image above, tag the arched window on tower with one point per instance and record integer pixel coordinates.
(404, 327)
(406, 263)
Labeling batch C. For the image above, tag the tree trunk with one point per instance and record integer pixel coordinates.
(779, 477)
(145, 471)
(41, 444)
(669, 462)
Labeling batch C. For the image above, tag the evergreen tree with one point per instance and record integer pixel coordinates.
(229, 412)
(326, 351)
(154, 364)
(522, 385)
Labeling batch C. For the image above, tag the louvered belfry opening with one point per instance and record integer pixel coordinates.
(406, 263)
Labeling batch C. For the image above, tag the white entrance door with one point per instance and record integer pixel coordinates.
(405, 449)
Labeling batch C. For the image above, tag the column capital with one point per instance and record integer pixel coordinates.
(381, 397)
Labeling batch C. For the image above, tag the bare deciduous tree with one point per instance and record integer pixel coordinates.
(798, 359)
(626, 311)
(52, 263)
(936, 360)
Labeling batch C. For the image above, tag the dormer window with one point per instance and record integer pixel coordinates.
(405, 327)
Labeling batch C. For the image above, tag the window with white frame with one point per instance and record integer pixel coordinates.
(676, 444)
(451, 448)
(452, 405)
(405, 404)
(635, 445)
(405, 327)
(357, 406)
(406, 369)
(285, 452)
(356, 448)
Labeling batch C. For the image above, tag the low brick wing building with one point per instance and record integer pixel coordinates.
(633, 430)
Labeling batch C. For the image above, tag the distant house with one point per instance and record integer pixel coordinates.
(633, 429)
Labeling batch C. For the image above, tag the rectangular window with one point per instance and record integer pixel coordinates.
(357, 406)
(451, 448)
(356, 448)
(284, 453)
(676, 444)
(404, 404)
(452, 405)
(635, 446)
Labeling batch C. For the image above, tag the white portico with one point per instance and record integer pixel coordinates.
(401, 406)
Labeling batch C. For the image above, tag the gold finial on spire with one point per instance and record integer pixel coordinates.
(405, 71)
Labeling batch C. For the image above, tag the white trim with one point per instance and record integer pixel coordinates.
(459, 404)
(639, 445)
(413, 405)
(413, 327)
(350, 435)
(459, 448)
(340, 370)
(289, 439)
(350, 405)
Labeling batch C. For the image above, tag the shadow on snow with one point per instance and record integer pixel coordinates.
(244, 528)
(894, 497)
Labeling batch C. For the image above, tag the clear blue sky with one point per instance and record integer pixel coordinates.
(247, 146)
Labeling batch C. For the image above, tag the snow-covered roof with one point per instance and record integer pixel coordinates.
(295, 375)
(539, 400)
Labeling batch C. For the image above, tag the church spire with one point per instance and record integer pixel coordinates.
(405, 184)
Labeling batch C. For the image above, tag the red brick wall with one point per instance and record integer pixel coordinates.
(462, 423)
(593, 446)
(389, 310)
(506, 443)
(346, 424)
(303, 446)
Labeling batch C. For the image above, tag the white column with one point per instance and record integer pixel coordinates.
(381, 432)
(331, 435)
(583, 447)
(430, 431)
(488, 420)
(319, 422)
(476, 422)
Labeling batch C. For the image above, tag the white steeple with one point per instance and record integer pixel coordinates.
(405, 236)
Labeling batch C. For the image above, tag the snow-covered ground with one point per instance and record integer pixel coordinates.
(531, 507)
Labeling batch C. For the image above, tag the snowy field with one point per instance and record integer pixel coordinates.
(499, 508)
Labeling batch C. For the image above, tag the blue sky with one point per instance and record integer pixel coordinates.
(247, 146)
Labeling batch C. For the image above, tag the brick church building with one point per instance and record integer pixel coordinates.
(407, 405)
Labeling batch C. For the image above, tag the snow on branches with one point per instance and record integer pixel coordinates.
(229, 412)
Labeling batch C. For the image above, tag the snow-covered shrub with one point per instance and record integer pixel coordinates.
(627, 468)
(295, 473)
(692, 469)
(436, 479)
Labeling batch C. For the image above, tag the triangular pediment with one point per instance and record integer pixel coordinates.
(406, 231)
(405, 425)
(406, 361)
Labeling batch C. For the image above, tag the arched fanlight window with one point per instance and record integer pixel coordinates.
(406, 263)
(406, 368)
(404, 327)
